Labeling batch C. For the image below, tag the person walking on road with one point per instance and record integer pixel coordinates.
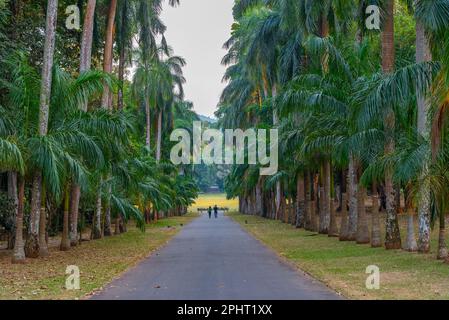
(216, 211)
(210, 212)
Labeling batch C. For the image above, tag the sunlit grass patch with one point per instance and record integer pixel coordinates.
(210, 200)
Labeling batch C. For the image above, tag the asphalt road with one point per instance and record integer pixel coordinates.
(214, 260)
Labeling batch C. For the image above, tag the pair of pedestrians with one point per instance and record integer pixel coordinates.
(215, 212)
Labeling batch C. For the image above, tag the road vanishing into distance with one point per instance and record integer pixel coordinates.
(214, 260)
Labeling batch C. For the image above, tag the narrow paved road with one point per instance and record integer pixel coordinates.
(213, 260)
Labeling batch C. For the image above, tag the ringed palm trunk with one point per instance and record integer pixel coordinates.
(32, 247)
(353, 187)
(32, 243)
(308, 200)
(275, 124)
(43, 248)
(96, 232)
(19, 251)
(107, 215)
(65, 240)
(392, 235)
(300, 201)
(362, 236)
(86, 39)
(12, 194)
(106, 100)
(410, 243)
(344, 218)
(85, 64)
(74, 212)
(423, 54)
(148, 123)
(327, 195)
(376, 240)
(442, 248)
(159, 136)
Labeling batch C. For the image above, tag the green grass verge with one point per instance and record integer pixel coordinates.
(99, 261)
(342, 265)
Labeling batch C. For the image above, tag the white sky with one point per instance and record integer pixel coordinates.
(197, 30)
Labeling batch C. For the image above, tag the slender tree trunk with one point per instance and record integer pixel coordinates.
(32, 247)
(74, 212)
(259, 199)
(107, 213)
(353, 190)
(327, 202)
(106, 100)
(392, 235)
(19, 251)
(344, 218)
(300, 201)
(316, 205)
(43, 247)
(159, 136)
(96, 232)
(410, 243)
(362, 236)
(148, 123)
(423, 54)
(65, 240)
(86, 40)
(442, 248)
(308, 200)
(117, 225)
(121, 66)
(32, 243)
(376, 238)
(12, 194)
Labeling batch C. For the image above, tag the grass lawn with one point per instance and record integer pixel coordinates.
(219, 199)
(99, 261)
(342, 265)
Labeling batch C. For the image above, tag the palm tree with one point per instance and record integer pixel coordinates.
(392, 236)
(106, 100)
(33, 245)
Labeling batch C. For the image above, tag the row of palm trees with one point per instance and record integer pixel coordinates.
(357, 111)
(68, 143)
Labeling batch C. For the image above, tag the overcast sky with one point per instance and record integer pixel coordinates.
(197, 30)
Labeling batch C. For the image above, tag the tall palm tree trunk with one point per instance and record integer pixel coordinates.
(148, 123)
(353, 187)
(300, 201)
(442, 248)
(65, 239)
(43, 247)
(19, 251)
(86, 39)
(376, 238)
(85, 65)
(32, 247)
(74, 212)
(362, 236)
(159, 136)
(106, 100)
(12, 194)
(423, 54)
(96, 232)
(107, 215)
(343, 236)
(392, 235)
